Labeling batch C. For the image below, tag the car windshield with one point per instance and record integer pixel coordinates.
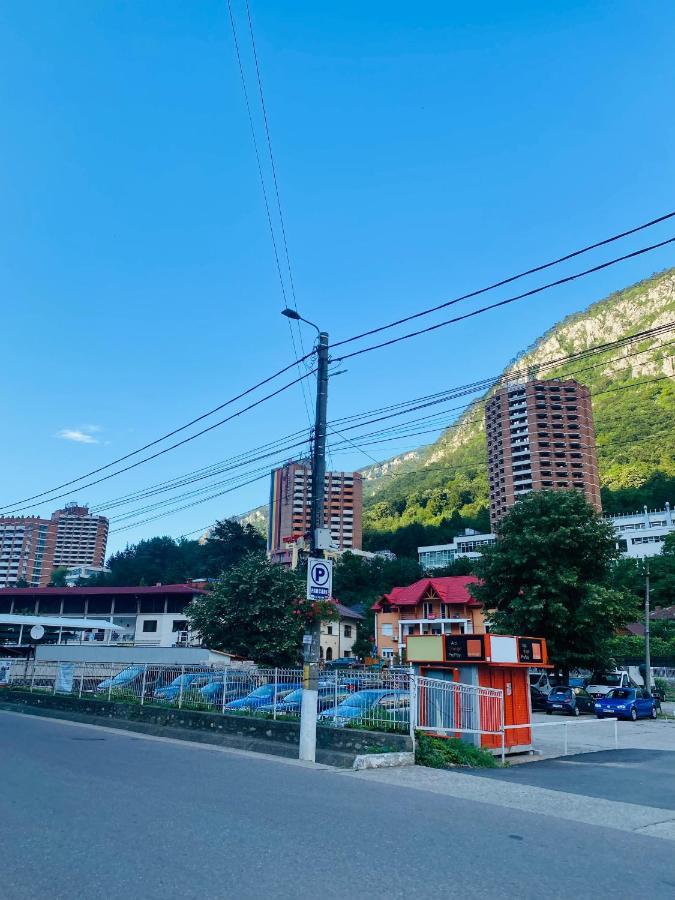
(534, 678)
(612, 679)
(127, 675)
(362, 699)
(620, 694)
(265, 691)
(294, 696)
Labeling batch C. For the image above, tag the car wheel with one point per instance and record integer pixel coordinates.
(653, 713)
(576, 711)
(633, 714)
(599, 716)
(549, 712)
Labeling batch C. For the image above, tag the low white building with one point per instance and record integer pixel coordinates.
(469, 545)
(638, 535)
(642, 534)
(338, 636)
(74, 573)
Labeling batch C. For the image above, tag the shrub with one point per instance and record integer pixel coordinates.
(444, 753)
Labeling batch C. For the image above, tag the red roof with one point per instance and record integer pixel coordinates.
(81, 591)
(451, 589)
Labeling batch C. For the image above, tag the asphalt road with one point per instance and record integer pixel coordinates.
(90, 813)
(632, 776)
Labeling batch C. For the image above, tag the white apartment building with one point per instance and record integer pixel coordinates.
(638, 535)
(642, 534)
(469, 545)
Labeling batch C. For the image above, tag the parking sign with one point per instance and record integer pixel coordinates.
(319, 579)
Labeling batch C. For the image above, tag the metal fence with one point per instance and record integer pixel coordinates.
(358, 698)
(451, 708)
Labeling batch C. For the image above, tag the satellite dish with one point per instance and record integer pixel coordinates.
(37, 632)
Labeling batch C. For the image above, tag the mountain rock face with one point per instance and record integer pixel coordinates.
(633, 388)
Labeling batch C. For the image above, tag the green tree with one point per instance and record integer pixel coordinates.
(251, 612)
(547, 575)
(156, 560)
(58, 576)
(227, 544)
(21, 583)
(360, 580)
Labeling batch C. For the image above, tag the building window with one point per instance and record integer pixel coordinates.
(329, 629)
(427, 609)
(179, 625)
(150, 625)
(387, 630)
(348, 631)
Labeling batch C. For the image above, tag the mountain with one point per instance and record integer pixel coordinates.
(430, 494)
(634, 415)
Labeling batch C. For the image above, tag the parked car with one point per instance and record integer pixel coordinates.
(571, 701)
(262, 696)
(627, 703)
(601, 683)
(542, 681)
(372, 705)
(190, 682)
(224, 683)
(538, 698)
(292, 702)
(343, 662)
(127, 679)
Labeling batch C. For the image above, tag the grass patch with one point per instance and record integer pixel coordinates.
(445, 753)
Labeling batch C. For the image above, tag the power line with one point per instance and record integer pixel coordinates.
(402, 429)
(509, 280)
(164, 437)
(186, 440)
(484, 309)
(262, 181)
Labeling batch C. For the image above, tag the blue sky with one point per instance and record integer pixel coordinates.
(422, 150)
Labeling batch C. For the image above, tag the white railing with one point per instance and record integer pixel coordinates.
(452, 708)
(542, 746)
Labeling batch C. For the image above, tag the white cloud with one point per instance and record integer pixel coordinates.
(79, 435)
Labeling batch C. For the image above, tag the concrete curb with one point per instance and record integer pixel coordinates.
(383, 760)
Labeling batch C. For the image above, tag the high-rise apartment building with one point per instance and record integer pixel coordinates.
(290, 507)
(540, 436)
(31, 547)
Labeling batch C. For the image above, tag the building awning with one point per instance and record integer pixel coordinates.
(60, 622)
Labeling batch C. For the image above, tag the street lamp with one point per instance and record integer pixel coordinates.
(295, 315)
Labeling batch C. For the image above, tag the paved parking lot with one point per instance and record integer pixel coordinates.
(587, 734)
(643, 777)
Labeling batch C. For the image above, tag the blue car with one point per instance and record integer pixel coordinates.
(224, 688)
(570, 701)
(124, 679)
(372, 704)
(190, 682)
(626, 703)
(292, 702)
(261, 696)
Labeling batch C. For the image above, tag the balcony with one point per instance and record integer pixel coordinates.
(432, 625)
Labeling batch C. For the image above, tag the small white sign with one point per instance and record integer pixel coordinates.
(319, 579)
(37, 632)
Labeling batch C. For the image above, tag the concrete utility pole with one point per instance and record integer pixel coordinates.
(312, 639)
(648, 659)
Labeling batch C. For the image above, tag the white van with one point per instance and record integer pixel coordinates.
(602, 683)
(541, 679)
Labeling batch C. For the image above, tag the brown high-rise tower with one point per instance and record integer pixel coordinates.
(540, 436)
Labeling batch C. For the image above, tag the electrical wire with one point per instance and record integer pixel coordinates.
(509, 280)
(501, 303)
(262, 183)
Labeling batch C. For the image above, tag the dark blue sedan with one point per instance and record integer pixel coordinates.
(626, 703)
(570, 701)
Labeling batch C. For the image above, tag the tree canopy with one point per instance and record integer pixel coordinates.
(169, 561)
(548, 575)
(250, 612)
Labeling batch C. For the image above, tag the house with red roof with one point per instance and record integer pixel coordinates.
(429, 606)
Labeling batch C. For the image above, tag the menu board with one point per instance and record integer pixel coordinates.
(530, 651)
(464, 648)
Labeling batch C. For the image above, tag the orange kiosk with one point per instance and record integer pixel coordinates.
(486, 661)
